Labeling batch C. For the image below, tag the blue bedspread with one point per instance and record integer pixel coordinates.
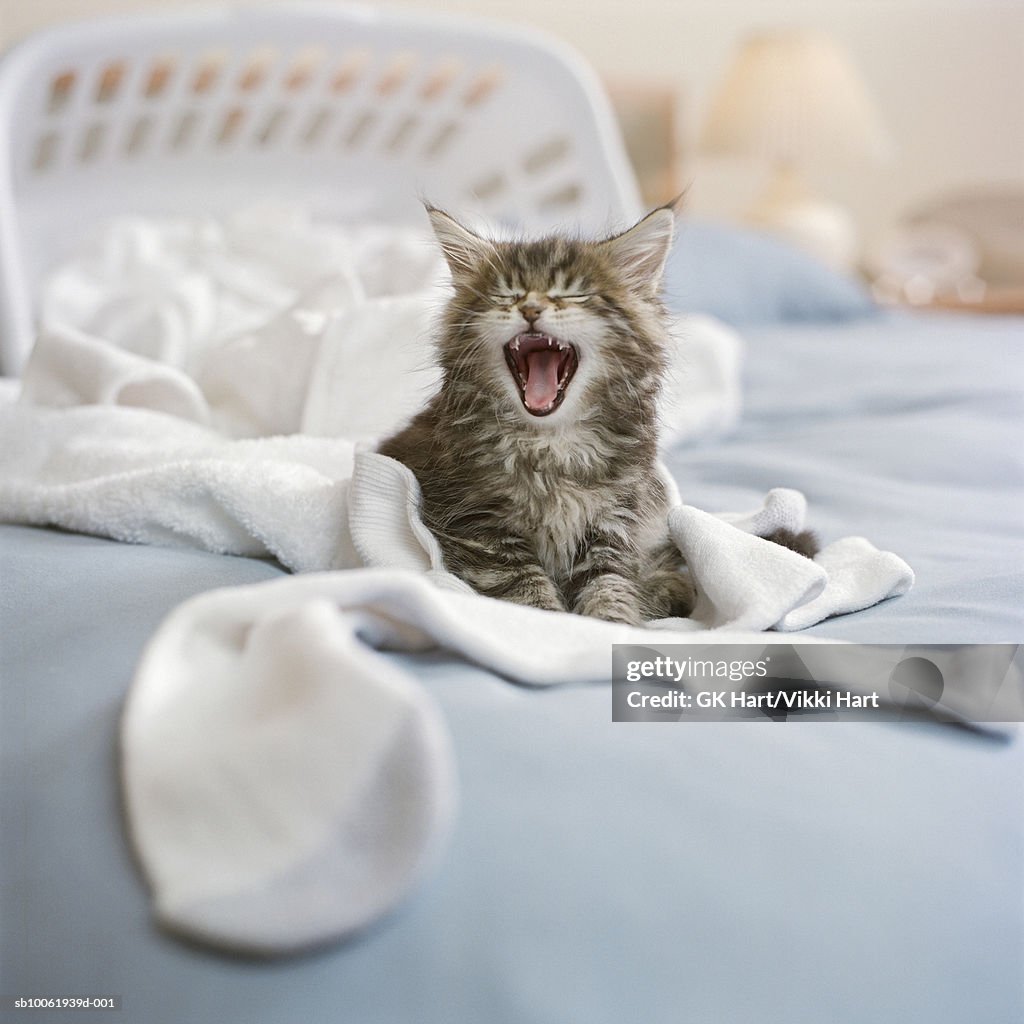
(602, 872)
(908, 430)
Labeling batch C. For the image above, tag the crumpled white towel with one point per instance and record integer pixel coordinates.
(267, 322)
(149, 478)
(319, 503)
(264, 327)
(285, 783)
(256, 318)
(743, 581)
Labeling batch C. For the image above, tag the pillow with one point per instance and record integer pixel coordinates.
(746, 277)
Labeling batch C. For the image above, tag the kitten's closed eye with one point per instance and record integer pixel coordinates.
(511, 298)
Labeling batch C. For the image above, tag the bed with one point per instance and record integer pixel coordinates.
(600, 871)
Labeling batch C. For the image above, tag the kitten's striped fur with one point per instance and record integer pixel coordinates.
(537, 457)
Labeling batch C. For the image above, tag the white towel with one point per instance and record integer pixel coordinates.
(285, 783)
(743, 581)
(269, 323)
(146, 477)
(149, 478)
(265, 327)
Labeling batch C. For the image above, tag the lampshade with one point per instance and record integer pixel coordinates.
(792, 97)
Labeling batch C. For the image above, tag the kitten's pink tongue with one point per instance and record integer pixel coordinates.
(541, 379)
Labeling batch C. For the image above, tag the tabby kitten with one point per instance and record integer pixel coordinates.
(537, 458)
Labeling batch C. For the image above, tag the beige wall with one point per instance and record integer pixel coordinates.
(947, 74)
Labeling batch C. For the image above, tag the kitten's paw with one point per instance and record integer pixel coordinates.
(610, 597)
(668, 593)
(548, 601)
(534, 589)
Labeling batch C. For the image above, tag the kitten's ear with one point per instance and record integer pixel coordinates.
(640, 253)
(463, 250)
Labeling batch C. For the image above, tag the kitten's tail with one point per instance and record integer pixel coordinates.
(803, 543)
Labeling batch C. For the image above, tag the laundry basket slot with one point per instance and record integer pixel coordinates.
(403, 103)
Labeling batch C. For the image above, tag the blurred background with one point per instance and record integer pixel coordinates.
(841, 123)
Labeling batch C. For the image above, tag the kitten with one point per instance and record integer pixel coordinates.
(537, 458)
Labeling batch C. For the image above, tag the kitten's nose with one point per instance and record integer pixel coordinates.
(531, 307)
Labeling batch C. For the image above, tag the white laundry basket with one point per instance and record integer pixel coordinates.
(356, 113)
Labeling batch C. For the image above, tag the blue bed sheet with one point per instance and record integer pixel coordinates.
(907, 430)
(602, 872)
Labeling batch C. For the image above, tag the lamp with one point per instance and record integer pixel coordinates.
(793, 99)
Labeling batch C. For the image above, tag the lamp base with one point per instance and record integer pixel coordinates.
(823, 229)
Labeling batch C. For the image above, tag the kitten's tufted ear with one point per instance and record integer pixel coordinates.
(463, 250)
(640, 252)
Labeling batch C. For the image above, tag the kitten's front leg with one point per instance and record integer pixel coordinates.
(612, 596)
(504, 569)
(604, 583)
(667, 588)
(528, 585)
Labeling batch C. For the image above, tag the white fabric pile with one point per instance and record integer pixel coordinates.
(216, 385)
(262, 324)
(267, 323)
(271, 345)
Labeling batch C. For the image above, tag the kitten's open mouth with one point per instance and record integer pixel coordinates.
(542, 367)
